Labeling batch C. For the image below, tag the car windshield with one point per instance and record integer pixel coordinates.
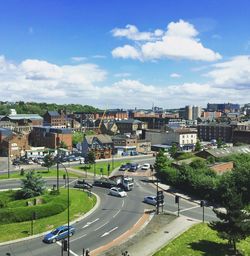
(55, 232)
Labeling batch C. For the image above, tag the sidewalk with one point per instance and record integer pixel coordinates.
(157, 240)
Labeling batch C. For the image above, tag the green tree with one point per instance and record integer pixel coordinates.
(198, 146)
(48, 161)
(219, 143)
(161, 161)
(90, 158)
(234, 224)
(62, 144)
(77, 137)
(33, 185)
(173, 150)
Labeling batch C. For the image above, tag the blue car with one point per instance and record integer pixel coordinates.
(58, 234)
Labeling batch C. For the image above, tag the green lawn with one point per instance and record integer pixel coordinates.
(80, 204)
(44, 173)
(98, 166)
(201, 240)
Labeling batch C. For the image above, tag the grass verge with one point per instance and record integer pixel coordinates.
(98, 166)
(201, 240)
(80, 204)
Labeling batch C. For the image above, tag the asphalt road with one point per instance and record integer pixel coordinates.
(113, 217)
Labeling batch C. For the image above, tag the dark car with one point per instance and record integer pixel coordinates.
(133, 167)
(82, 184)
(125, 167)
(104, 182)
(58, 234)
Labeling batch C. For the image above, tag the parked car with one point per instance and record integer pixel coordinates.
(58, 234)
(116, 191)
(151, 200)
(146, 166)
(123, 167)
(82, 184)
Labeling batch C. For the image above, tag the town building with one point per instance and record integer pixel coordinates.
(131, 126)
(55, 119)
(101, 145)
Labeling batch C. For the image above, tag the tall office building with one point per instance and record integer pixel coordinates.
(188, 113)
(196, 112)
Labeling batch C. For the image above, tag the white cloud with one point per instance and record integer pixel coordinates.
(126, 52)
(132, 32)
(38, 80)
(122, 74)
(175, 75)
(179, 41)
(235, 72)
(78, 59)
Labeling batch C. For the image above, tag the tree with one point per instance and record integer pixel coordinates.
(198, 146)
(77, 137)
(48, 161)
(62, 144)
(234, 224)
(161, 161)
(33, 185)
(173, 150)
(219, 143)
(90, 158)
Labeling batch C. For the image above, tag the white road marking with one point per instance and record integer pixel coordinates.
(116, 214)
(71, 252)
(102, 225)
(122, 202)
(90, 222)
(187, 209)
(107, 233)
(72, 240)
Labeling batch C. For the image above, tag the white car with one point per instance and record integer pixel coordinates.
(145, 167)
(151, 200)
(115, 191)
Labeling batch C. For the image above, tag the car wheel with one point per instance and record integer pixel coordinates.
(70, 234)
(54, 240)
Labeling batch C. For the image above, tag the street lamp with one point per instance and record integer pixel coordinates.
(67, 176)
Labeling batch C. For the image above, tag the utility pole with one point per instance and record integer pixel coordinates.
(9, 145)
(57, 163)
(157, 192)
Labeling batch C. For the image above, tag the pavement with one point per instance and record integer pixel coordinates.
(157, 240)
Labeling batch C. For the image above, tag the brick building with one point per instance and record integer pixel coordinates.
(50, 137)
(55, 119)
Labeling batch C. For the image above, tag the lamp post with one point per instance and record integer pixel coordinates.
(67, 176)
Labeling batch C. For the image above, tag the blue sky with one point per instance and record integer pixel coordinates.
(125, 54)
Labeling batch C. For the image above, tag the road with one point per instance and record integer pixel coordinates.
(113, 217)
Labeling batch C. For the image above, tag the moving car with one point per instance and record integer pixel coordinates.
(104, 182)
(145, 166)
(125, 167)
(82, 184)
(58, 234)
(133, 167)
(116, 191)
(151, 200)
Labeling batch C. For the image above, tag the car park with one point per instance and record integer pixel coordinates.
(59, 234)
(117, 191)
(151, 200)
(146, 166)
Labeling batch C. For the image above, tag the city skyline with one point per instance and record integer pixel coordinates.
(125, 55)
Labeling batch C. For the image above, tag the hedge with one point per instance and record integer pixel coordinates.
(19, 214)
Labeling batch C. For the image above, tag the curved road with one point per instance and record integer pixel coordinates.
(113, 217)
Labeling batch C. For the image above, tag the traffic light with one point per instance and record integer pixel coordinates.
(160, 197)
(202, 203)
(65, 245)
(177, 199)
(87, 252)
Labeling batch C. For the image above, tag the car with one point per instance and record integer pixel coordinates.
(82, 184)
(117, 191)
(104, 182)
(146, 166)
(151, 200)
(123, 167)
(133, 167)
(58, 234)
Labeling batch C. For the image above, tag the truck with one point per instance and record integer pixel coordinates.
(125, 182)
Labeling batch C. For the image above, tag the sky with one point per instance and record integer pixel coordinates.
(125, 54)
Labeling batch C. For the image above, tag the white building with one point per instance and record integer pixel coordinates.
(185, 138)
